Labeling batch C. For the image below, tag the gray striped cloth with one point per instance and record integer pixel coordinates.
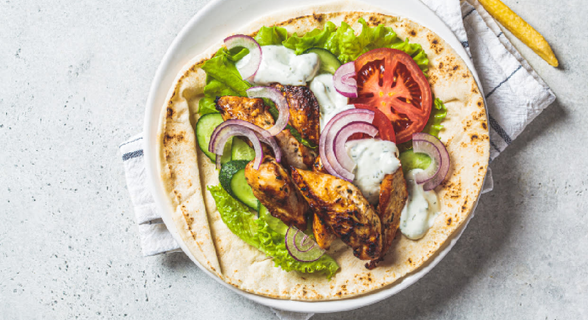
(515, 95)
(154, 236)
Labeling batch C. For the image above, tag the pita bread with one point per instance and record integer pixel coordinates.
(186, 171)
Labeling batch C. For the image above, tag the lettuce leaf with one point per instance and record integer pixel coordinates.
(271, 36)
(222, 79)
(235, 215)
(273, 222)
(316, 38)
(206, 105)
(438, 114)
(222, 69)
(257, 233)
(344, 44)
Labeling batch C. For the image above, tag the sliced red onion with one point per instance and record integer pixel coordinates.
(342, 137)
(218, 144)
(262, 135)
(327, 140)
(281, 103)
(434, 148)
(344, 82)
(239, 40)
(301, 247)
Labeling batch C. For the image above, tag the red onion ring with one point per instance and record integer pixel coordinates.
(262, 135)
(296, 246)
(303, 243)
(344, 82)
(342, 137)
(327, 139)
(218, 144)
(281, 103)
(434, 148)
(240, 40)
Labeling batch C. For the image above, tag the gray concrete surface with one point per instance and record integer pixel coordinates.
(74, 77)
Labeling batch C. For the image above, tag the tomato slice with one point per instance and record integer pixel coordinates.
(385, 128)
(391, 81)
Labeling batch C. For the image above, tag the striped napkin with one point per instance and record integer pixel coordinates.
(515, 95)
(154, 236)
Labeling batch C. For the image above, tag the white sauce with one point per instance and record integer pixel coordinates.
(374, 159)
(282, 65)
(420, 210)
(330, 101)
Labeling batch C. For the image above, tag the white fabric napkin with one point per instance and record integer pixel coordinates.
(515, 95)
(154, 236)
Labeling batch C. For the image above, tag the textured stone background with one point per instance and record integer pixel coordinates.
(74, 77)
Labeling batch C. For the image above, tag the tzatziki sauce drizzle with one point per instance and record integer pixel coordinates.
(420, 211)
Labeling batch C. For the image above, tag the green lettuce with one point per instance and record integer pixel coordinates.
(222, 79)
(316, 38)
(271, 36)
(438, 114)
(343, 43)
(235, 215)
(258, 233)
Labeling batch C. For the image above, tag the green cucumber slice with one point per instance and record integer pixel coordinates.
(241, 150)
(243, 191)
(329, 62)
(204, 128)
(232, 179)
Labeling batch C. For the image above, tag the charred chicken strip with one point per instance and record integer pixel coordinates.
(254, 111)
(344, 210)
(246, 109)
(317, 166)
(322, 234)
(297, 155)
(321, 231)
(393, 197)
(274, 189)
(304, 111)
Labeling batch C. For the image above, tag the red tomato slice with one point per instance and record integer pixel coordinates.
(385, 128)
(391, 81)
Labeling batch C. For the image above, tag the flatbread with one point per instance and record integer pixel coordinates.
(186, 171)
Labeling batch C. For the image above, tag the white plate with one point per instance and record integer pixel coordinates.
(209, 26)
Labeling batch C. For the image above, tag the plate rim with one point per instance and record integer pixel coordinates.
(168, 69)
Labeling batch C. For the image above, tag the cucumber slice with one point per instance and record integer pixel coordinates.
(241, 150)
(232, 179)
(243, 191)
(329, 62)
(204, 128)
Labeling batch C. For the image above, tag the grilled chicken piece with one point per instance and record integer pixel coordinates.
(344, 210)
(324, 237)
(254, 111)
(304, 111)
(393, 197)
(246, 109)
(322, 234)
(275, 190)
(297, 155)
(318, 167)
